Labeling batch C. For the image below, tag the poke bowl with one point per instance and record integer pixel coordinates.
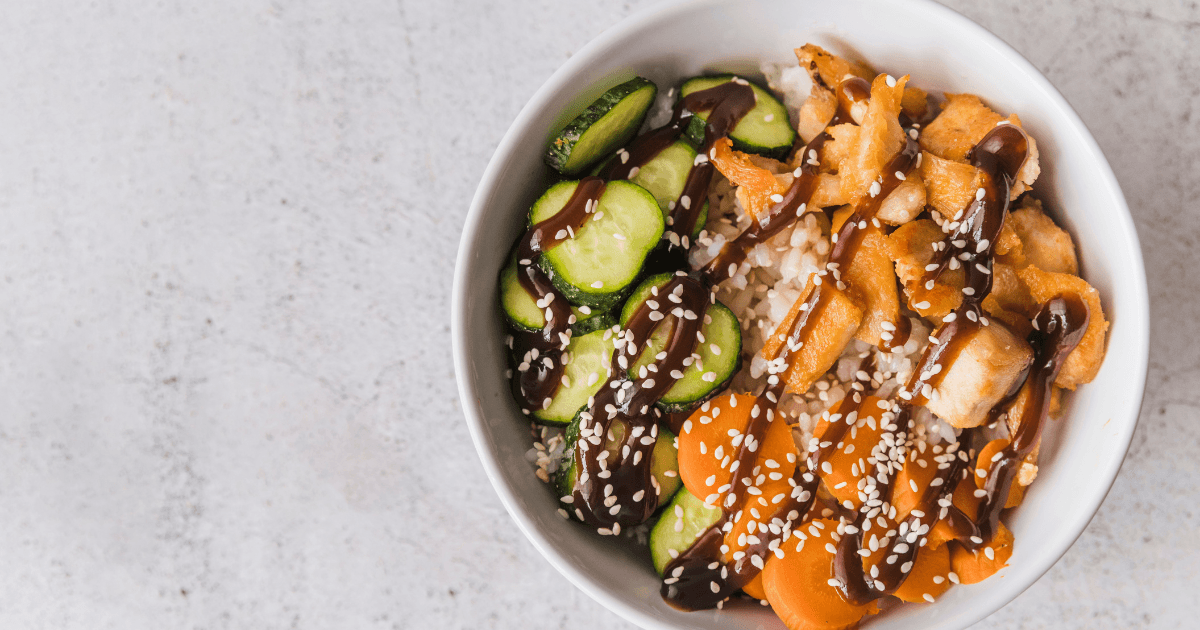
(662, 57)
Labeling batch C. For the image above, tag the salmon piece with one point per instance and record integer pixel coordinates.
(991, 360)
(1084, 361)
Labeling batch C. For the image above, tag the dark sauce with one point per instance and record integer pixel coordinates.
(542, 352)
(697, 579)
(620, 492)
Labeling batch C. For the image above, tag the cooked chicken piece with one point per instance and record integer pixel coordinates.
(911, 247)
(816, 112)
(1084, 361)
(915, 103)
(880, 137)
(828, 192)
(1043, 243)
(870, 281)
(962, 123)
(837, 149)
(833, 329)
(905, 202)
(1010, 300)
(950, 186)
(988, 365)
(827, 69)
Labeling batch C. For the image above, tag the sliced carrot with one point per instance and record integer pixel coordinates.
(752, 521)
(755, 184)
(849, 457)
(755, 588)
(984, 462)
(707, 450)
(964, 499)
(912, 480)
(976, 566)
(797, 585)
(928, 575)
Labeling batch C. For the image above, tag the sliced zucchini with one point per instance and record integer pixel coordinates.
(720, 352)
(664, 462)
(521, 310)
(598, 266)
(765, 130)
(665, 175)
(585, 372)
(679, 528)
(608, 123)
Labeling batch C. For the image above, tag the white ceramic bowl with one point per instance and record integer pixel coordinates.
(943, 51)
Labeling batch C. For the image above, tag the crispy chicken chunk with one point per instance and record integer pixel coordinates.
(989, 364)
(835, 326)
(870, 281)
(911, 248)
(1043, 244)
(1084, 361)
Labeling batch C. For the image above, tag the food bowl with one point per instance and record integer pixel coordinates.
(943, 51)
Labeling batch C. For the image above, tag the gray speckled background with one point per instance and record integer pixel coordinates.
(227, 232)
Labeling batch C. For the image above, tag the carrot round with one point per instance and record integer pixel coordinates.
(707, 450)
(847, 463)
(1016, 492)
(964, 499)
(928, 577)
(798, 585)
(977, 566)
(755, 588)
(912, 481)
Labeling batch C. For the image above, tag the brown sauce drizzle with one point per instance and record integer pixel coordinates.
(697, 579)
(613, 495)
(851, 92)
(543, 351)
(616, 494)
(999, 156)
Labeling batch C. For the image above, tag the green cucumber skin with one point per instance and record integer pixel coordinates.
(685, 406)
(604, 299)
(695, 129)
(697, 519)
(559, 153)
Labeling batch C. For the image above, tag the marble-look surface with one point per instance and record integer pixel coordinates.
(227, 232)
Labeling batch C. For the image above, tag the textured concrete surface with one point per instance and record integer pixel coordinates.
(227, 231)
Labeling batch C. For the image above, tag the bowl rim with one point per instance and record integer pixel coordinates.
(1138, 313)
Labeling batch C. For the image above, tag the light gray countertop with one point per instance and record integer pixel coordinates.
(227, 233)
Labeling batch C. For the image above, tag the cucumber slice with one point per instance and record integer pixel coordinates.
(670, 535)
(608, 123)
(765, 130)
(598, 266)
(664, 460)
(521, 311)
(665, 175)
(721, 329)
(590, 355)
